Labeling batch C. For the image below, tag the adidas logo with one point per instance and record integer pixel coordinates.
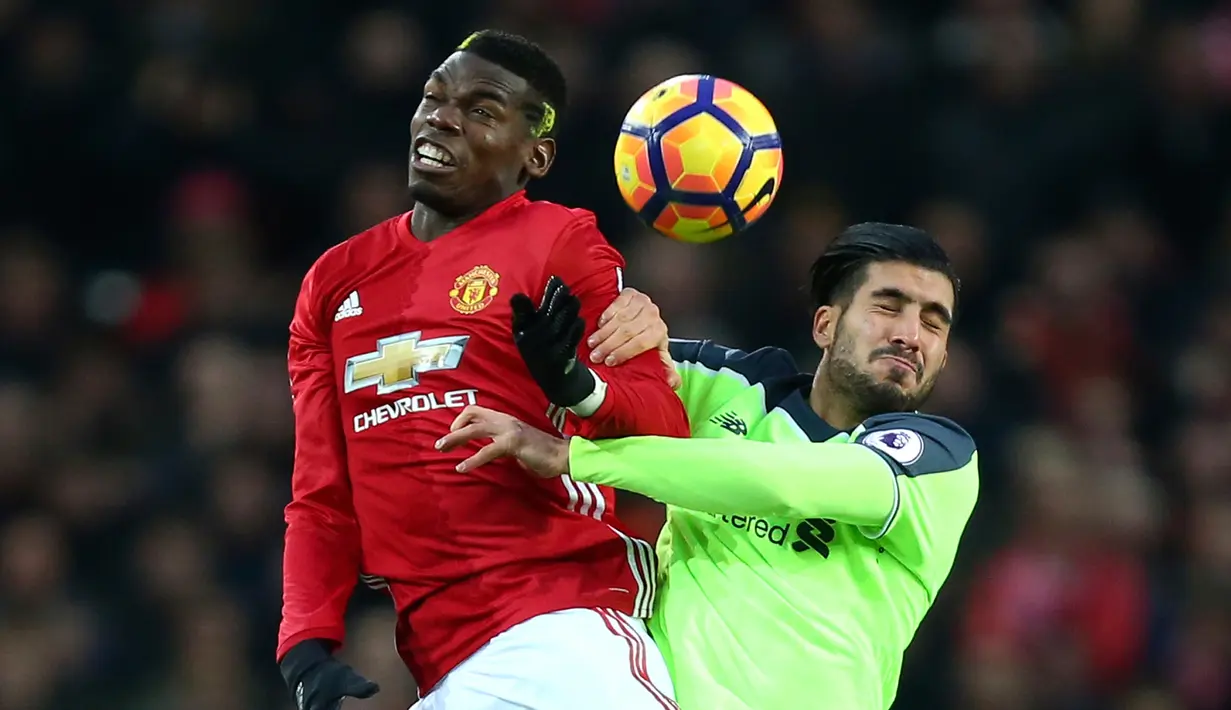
(349, 308)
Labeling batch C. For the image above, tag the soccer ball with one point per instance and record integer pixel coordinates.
(698, 158)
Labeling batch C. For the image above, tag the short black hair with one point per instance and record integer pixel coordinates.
(529, 61)
(839, 272)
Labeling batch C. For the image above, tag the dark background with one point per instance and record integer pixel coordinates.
(170, 168)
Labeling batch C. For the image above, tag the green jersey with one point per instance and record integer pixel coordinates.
(797, 560)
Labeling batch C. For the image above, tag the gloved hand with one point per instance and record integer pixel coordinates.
(547, 338)
(318, 681)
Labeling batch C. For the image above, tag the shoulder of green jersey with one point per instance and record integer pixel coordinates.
(756, 366)
(917, 444)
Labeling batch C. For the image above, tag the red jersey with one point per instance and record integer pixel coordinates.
(391, 338)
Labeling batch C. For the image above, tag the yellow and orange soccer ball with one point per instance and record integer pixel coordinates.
(698, 158)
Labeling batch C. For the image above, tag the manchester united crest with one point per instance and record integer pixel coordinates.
(474, 290)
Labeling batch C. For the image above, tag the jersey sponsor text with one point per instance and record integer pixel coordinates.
(429, 401)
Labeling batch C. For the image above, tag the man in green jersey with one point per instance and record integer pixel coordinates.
(812, 519)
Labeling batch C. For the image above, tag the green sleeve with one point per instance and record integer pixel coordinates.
(909, 478)
(850, 484)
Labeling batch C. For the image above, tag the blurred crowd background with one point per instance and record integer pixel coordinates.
(170, 168)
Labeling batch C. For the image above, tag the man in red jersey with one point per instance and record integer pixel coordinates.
(510, 592)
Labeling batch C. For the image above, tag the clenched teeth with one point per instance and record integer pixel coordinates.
(433, 155)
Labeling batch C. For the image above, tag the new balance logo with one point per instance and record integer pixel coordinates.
(349, 308)
(732, 423)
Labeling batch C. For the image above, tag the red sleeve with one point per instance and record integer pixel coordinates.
(639, 401)
(321, 559)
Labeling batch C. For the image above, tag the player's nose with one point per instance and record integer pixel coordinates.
(445, 117)
(906, 334)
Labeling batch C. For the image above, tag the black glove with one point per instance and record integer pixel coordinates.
(547, 339)
(318, 681)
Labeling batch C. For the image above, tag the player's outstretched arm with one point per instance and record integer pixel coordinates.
(860, 484)
(634, 398)
(850, 483)
(740, 477)
(321, 555)
(735, 476)
(909, 479)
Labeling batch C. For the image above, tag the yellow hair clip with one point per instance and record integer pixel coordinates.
(547, 123)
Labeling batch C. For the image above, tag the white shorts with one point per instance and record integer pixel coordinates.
(596, 659)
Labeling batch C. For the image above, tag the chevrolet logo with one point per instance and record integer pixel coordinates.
(400, 359)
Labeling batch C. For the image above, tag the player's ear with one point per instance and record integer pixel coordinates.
(825, 326)
(542, 155)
